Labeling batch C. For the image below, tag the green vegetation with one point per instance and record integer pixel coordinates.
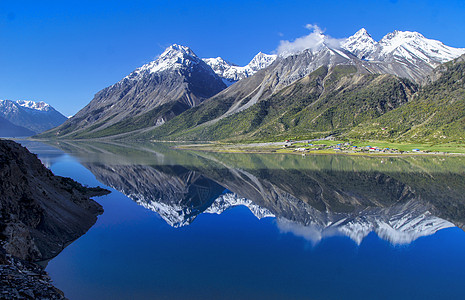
(323, 103)
(435, 115)
(329, 147)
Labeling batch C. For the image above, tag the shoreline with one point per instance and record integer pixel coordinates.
(272, 149)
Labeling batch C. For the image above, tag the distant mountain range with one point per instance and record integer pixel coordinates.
(323, 90)
(26, 118)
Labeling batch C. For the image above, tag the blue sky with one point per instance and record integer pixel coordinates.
(63, 52)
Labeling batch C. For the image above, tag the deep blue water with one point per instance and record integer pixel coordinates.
(132, 253)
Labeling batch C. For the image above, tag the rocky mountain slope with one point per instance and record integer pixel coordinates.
(151, 95)
(325, 102)
(32, 117)
(40, 214)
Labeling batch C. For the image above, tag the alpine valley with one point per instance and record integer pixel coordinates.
(404, 87)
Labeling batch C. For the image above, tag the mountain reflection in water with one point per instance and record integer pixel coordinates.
(398, 198)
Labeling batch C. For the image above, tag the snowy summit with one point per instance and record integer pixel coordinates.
(173, 58)
(232, 73)
(407, 46)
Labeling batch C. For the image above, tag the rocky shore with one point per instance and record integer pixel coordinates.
(40, 213)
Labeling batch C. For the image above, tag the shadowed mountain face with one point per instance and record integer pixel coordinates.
(9, 129)
(400, 199)
(40, 212)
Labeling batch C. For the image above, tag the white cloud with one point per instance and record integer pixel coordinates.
(313, 41)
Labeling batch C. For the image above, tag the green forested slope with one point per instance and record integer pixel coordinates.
(324, 102)
(435, 114)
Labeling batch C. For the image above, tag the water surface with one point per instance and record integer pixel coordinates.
(193, 225)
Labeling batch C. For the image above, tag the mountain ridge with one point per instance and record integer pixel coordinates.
(231, 73)
(178, 114)
(34, 117)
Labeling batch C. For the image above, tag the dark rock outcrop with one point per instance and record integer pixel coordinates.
(40, 213)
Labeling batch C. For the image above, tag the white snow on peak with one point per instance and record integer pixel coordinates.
(401, 45)
(230, 200)
(177, 215)
(174, 57)
(233, 73)
(42, 106)
(413, 46)
(399, 229)
(8, 106)
(361, 44)
(261, 61)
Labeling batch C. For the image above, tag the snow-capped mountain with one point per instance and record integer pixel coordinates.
(361, 44)
(148, 97)
(404, 54)
(230, 200)
(399, 225)
(261, 61)
(175, 57)
(232, 73)
(177, 215)
(41, 105)
(403, 46)
(34, 116)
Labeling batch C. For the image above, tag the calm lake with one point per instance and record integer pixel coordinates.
(197, 225)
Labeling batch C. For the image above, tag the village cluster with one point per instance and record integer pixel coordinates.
(346, 147)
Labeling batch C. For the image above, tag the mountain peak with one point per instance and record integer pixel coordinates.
(261, 61)
(41, 105)
(402, 35)
(173, 58)
(176, 49)
(362, 32)
(414, 47)
(406, 46)
(361, 44)
(232, 73)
